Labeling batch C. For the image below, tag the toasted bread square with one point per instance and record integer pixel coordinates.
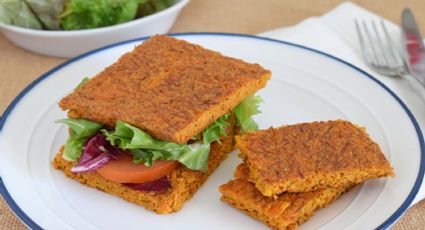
(185, 182)
(168, 87)
(287, 211)
(310, 156)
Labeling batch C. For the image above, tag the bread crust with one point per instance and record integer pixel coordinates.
(168, 87)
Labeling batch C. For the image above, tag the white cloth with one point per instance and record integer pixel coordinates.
(334, 33)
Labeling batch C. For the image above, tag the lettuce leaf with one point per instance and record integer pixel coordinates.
(215, 130)
(193, 156)
(82, 82)
(80, 131)
(147, 149)
(47, 12)
(83, 14)
(17, 12)
(244, 112)
(196, 156)
(153, 6)
(76, 14)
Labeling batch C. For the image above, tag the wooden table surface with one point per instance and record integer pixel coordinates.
(19, 67)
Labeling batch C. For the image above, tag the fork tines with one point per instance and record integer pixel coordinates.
(378, 49)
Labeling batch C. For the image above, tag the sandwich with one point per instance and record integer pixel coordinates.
(290, 172)
(154, 125)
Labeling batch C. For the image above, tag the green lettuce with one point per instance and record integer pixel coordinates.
(153, 6)
(47, 12)
(193, 156)
(76, 14)
(18, 13)
(82, 82)
(244, 112)
(147, 149)
(83, 14)
(80, 131)
(215, 130)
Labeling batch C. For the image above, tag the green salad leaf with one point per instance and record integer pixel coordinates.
(215, 130)
(47, 12)
(153, 6)
(145, 156)
(80, 131)
(82, 82)
(193, 156)
(244, 112)
(196, 156)
(83, 14)
(18, 13)
(147, 149)
(76, 14)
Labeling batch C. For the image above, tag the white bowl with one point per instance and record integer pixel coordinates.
(72, 43)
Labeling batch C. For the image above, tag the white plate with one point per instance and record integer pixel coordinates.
(306, 86)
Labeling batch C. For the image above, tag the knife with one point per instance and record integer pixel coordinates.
(413, 45)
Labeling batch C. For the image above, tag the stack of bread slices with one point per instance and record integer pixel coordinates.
(289, 172)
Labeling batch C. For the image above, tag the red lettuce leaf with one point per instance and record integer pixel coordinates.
(97, 152)
(92, 164)
(158, 185)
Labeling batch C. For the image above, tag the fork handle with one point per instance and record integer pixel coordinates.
(416, 84)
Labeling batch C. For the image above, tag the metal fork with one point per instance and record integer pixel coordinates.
(379, 51)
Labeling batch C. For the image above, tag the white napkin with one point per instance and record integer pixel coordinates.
(334, 33)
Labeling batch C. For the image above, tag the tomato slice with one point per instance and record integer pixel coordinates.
(123, 170)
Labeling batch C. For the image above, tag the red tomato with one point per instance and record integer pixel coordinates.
(123, 170)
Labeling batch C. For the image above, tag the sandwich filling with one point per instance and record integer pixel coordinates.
(126, 154)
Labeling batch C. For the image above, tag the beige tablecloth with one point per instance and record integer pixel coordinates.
(19, 67)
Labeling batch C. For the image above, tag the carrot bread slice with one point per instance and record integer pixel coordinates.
(287, 211)
(184, 182)
(310, 156)
(167, 87)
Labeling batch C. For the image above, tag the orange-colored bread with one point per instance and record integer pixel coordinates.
(167, 87)
(309, 156)
(287, 211)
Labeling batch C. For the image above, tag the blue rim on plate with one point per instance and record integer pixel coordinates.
(391, 220)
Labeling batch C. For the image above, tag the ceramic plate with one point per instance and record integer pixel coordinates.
(306, 85)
